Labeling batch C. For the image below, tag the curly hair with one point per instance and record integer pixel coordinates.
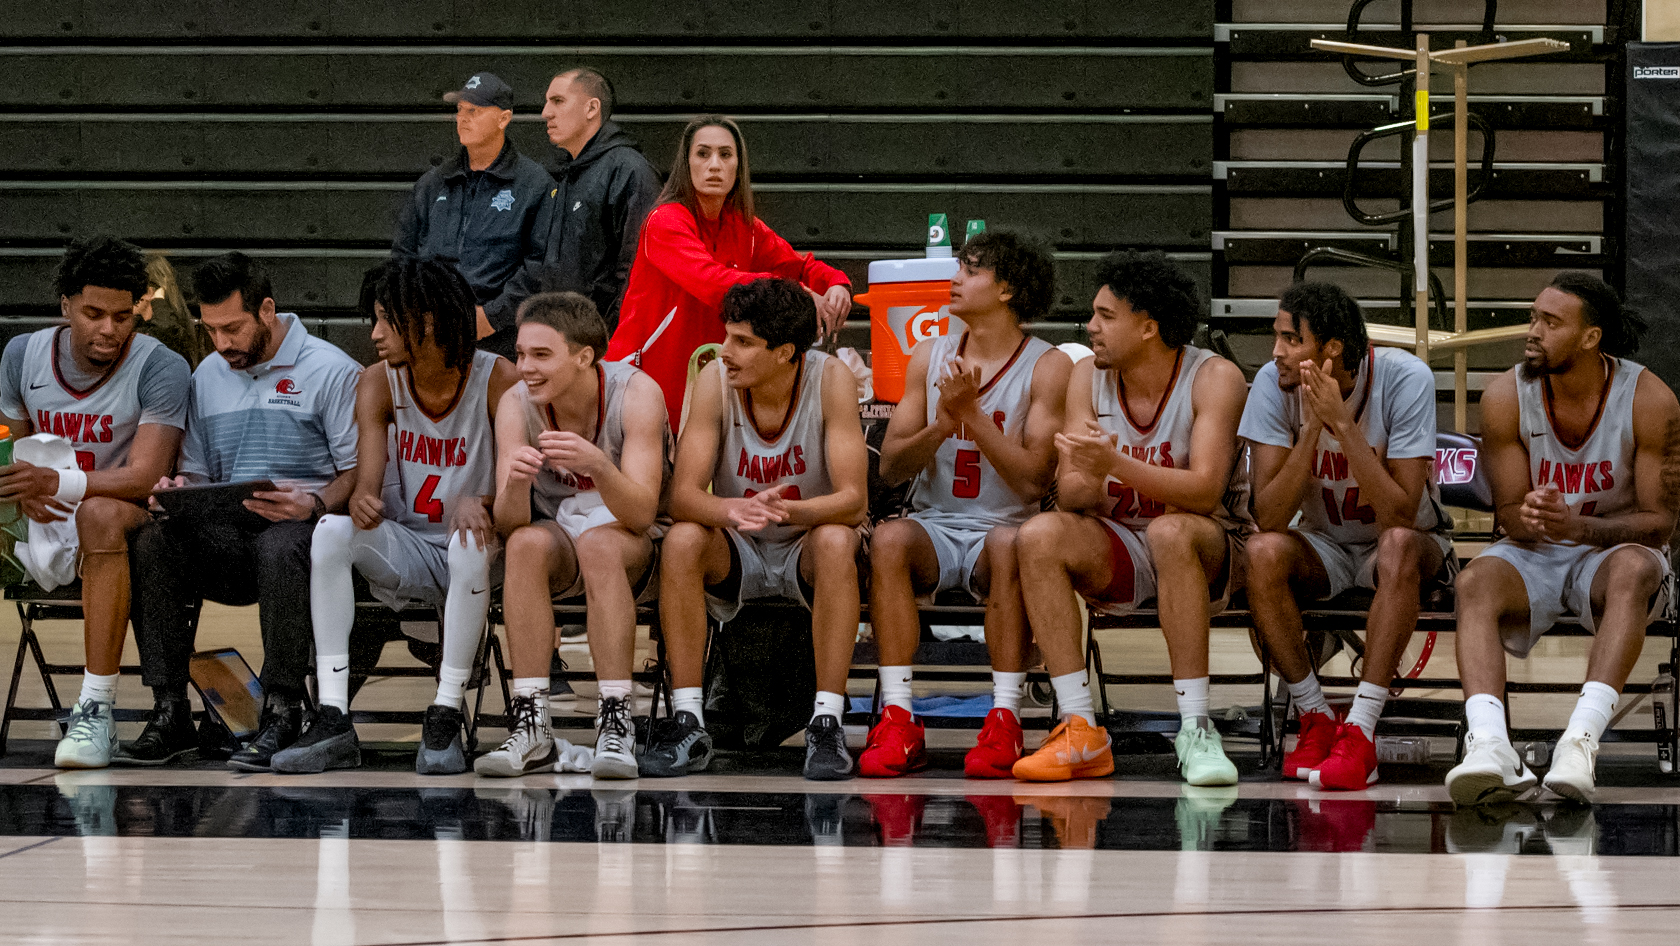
(780, 311)
(102, 261)
(1157, 287)
(1622, 328)
(571, 314)
(409, 288)
(1022, 264)
(1331, 314)
(219, 277)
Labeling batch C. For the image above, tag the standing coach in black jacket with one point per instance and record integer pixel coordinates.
(606, 188)
(486, 209)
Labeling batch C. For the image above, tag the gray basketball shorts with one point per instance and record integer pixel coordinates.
(1559, 580)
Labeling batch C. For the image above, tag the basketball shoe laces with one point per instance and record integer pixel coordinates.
(527, 724)
(615, 725)
(82, 724)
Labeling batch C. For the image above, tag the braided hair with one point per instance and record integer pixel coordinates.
(410, 289)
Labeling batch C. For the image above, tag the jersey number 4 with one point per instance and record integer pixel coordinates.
(1351, 511)
(425, 503)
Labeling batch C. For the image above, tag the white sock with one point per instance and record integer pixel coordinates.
(1367, 708)
(332, 607)
(691, 699)
(464, 616)
(1073, 695)
(895, 687)
(529, 686)
(613, 688)
(828, 704)
(1309, 697)
(1593, 710)
(101, 688)
(1192, 698)
(332, 680)
(1486, 715)
(1006, 690)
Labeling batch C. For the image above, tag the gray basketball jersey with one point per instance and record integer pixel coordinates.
(99, 421)
(749, 462)
(1163, 440)
(612, 380)
(440, 459)
(961, 483)
(1332, 506)
(1596, 478)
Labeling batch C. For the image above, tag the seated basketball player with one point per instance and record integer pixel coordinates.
(1342, 433)
(1579, 444)
(773, 430)
(426, 539)
(1145, 465)
(976, 428)
(582, 448)
(121, 400)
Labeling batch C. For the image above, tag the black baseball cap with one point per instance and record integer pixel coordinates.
(484, 88)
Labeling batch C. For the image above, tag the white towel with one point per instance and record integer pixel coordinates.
(573, 758)
(49, 557)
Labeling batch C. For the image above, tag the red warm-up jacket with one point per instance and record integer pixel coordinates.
(673, 303)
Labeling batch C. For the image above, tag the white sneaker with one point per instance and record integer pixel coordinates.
(615, 747)
(530, 745)
(1491, 773)
(90, 737)
(1571, 774)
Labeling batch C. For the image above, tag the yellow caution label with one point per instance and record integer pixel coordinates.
(1422, 110)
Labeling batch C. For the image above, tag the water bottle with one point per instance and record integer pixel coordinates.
(1403, 750)
(14, 528)
(1662, 690)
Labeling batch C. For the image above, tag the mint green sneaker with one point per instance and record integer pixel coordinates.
(1201, 756)
(90, 737)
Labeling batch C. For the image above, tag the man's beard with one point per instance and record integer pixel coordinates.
(1535, 367)
(241, 358)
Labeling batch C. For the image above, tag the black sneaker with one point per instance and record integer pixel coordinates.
(826, 758)
(560, 692)
(329, 743)
(441, 751)
(169, 735)
(677, 745)
(282, 723)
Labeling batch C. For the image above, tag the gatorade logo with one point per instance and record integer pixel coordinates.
(911, 324)
(936, 235)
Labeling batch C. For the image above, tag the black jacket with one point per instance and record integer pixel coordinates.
(490, 224)
(604, 195)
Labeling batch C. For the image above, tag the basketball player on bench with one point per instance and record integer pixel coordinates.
(1143, 482)
(427, 540)
(976, 428)
(1581, 448)
(583, 446)
(773, 429)
(120, 398)
(1343, 433)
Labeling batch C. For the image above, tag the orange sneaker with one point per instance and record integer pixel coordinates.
(1312, 746)
(897, 746)
(999, 748)
(1075, 749)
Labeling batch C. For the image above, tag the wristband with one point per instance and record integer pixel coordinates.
(72, 486)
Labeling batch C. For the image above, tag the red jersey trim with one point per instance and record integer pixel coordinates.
(793, 404)
(1598, 415)
(1160, 407)
(600, 407)
(110, 372)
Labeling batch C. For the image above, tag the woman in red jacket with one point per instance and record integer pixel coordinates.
(701, 239)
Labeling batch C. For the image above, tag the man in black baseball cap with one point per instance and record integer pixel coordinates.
(487, 208)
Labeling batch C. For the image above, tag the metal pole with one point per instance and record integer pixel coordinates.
(1420, 200)
(1461, 242)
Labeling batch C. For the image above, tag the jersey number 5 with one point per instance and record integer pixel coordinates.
(965, 475)
(425, 503)
(1351, 511)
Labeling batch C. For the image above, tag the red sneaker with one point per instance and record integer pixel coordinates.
(999, 748)
(1002, 817)
(897, 816)
(1352, 764)
(1312, 746)
(897, 746)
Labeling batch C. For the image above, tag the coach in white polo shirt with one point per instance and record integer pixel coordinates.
(273, 403)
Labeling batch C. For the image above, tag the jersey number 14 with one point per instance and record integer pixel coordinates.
(1351, 511)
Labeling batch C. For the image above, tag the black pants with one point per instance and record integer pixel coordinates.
(177, 562)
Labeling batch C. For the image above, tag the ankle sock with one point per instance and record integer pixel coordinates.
(101, 688)
(613, 689)
(529, 686)
(1006, 690)
(1593, 710)
(691, 699)
(332, 679)
(1192, 698)
(1073, 696)
(1367, 708)
(1309, 697)
(1486, 716)
(828, 704)
(895, 687)
(452, 686)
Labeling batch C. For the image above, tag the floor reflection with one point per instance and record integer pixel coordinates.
(1196, 820)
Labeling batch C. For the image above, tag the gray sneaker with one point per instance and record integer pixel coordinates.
(441, 751)
(826, 757)
(678, 745)
(615, 746)
(530, 745)
(329, 743)
(90, 737)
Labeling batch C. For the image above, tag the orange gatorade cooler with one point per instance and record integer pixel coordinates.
(908, 300)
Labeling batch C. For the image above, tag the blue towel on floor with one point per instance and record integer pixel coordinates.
(969, 707)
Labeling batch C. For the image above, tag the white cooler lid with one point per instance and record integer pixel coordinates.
(920, 269)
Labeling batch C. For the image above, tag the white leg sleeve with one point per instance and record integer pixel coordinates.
(332, 607)
(464, 614)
